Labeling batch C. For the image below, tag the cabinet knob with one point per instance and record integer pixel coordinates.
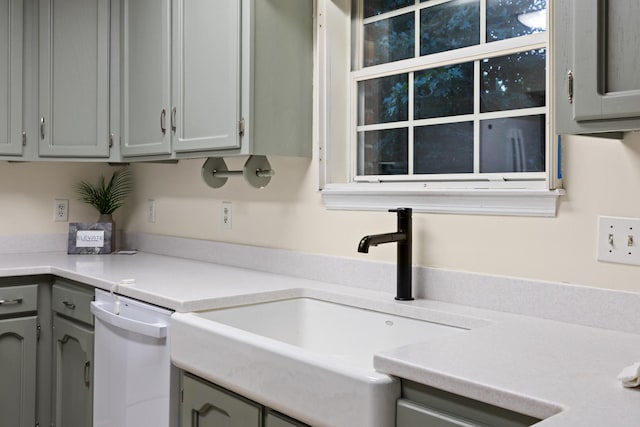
(11, 301)
(173, 119)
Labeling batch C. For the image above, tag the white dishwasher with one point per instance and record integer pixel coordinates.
(135, 384)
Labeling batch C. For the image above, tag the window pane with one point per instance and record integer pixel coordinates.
(446, 148)
(383, 152)
(514, 18)
(383, 100)
(449, 25)
(389, 40)
(376, 7)
(443, 91)
(513, 81)
(514, 144)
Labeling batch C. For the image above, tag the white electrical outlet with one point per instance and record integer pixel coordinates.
(226, 215)
(619, 240)
(61, 210)
(151, 210)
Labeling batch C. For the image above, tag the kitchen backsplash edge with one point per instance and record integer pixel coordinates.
(572, 303)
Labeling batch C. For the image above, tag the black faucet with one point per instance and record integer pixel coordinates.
(403, 238)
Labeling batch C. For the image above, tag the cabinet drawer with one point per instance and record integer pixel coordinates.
(18, 299)
(423, 405)
(411, 414)
(72, 301)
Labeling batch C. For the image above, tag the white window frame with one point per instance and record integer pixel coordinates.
(501, 194)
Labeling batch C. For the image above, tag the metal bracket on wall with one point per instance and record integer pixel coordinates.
(257, 172)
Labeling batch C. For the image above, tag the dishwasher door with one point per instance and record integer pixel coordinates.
(135, 384)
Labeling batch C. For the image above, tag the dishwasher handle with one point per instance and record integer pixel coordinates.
(155, 330)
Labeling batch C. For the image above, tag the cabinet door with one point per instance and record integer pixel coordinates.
(11, 43)
(74, 78)
(73, 377)
(206, 74)
(598, 86)
(274, 419)
(18, 371)
(146, 67)
(204, 405)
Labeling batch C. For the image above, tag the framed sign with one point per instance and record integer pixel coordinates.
(92, 238)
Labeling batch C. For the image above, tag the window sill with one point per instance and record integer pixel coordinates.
(516, 202)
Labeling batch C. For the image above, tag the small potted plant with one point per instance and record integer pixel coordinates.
(107, 197)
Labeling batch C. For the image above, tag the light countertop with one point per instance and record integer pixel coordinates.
(539, 367)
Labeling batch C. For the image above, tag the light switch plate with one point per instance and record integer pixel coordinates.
(227, 215)
(619, 240)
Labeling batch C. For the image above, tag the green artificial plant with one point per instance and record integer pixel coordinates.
(107, 197)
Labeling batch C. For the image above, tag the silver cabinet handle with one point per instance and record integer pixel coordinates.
(42, 127)
(570, 88)
(173, 119)
(87, 373)
(69, 305)
(11, 301)
(163, 118)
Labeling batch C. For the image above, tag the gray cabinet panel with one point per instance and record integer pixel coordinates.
(206, 74)
(74, 78)
(73, 361)
(205, 405)
(11, 75)
(146, 66)
(596, 53)
(423, 405)
(72, 301)
(18, 371)
(274, 419)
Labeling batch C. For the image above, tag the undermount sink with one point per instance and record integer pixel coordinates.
(309, 358)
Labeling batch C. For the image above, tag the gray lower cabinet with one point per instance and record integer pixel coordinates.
(72, 356)
(274, 419)
(422, 405)
(207, 405)
(596, 63)
(18, 355)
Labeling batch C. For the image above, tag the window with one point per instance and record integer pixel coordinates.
(445, 95)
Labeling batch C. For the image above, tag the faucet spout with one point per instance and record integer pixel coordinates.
(378, 239)
(403, 237)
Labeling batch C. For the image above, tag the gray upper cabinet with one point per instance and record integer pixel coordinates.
(181, 76)
(277, 70)
(205, 75)
(11, 76)
(597, 58)
(231, 77)
(146, 103)
(74, 78)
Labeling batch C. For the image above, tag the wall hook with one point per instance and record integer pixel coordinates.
(257, 172)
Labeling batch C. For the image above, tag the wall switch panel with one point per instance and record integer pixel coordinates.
(619, 240)
(151, 210)
(61, 210)
(226, 215)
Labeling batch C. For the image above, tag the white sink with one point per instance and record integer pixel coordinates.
(308, 358)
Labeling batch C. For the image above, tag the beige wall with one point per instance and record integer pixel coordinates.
(27, 192)
(602, 177)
